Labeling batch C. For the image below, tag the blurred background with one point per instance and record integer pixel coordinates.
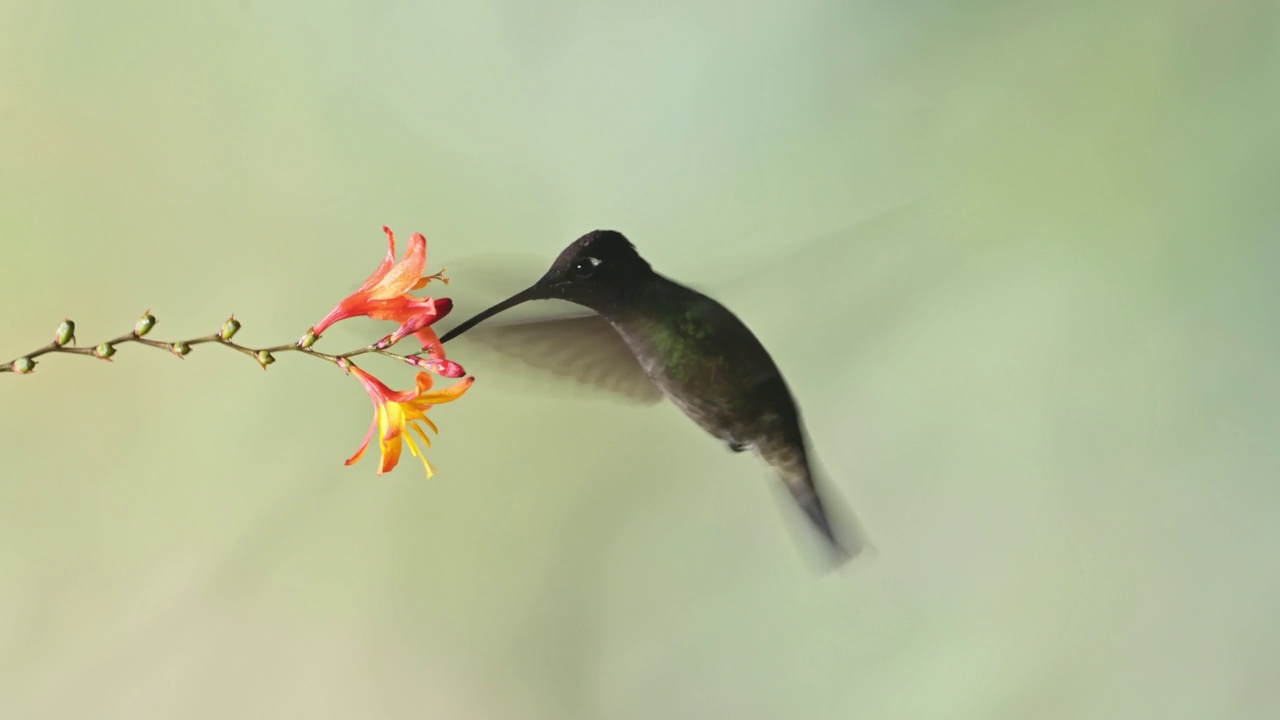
(1016, 261)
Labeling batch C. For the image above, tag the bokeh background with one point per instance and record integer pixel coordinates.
(1016, 260)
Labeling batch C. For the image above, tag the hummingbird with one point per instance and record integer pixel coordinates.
(661, 338)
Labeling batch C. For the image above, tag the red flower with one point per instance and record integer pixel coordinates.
(385, 296)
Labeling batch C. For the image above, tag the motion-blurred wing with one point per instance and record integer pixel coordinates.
(584, 349)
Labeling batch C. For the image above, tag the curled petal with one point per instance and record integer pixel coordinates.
(364, 445)
(449, 394)
(424, 383)
(402, 277)
(387, 262)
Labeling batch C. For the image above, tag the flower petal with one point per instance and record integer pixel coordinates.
(391, 436)
(373, 425)
(430, 342)
(390, 455)
(411, 326)
(377, 390)
(351, 306)
(393, 308)
(399, 279)
(387, 262)
(425, 381)
(449, 394)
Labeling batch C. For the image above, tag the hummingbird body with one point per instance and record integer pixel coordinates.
(707, 362)
(695, 351)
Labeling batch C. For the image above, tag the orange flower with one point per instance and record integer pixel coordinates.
(385, 296)
(400, 416)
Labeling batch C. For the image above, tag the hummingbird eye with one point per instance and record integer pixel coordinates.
(585, 268)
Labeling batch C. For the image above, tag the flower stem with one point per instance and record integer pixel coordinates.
(180, 348)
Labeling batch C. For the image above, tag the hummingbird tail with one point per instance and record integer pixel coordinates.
(790, 459)
(805, 494)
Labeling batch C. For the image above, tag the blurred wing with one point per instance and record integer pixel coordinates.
(867, 277)
(583, 349)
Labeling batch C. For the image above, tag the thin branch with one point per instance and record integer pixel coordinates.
(64, 342)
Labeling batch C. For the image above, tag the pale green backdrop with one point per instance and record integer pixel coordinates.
(1047, 381)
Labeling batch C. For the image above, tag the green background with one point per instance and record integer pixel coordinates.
(1045, 379)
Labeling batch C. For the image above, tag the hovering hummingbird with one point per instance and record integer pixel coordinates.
(663, 338)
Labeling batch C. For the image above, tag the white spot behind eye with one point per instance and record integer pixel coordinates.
(595, 262)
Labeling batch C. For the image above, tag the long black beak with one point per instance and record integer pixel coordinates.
(535, 292)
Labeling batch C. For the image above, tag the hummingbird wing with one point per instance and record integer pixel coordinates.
(561, 348)
(868, 276)
(583, 349)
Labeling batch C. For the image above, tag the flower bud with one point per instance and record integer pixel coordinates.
(451, 369)
(309, 339)
(23, 365)
(229, 328)
(180, 348)
(264, 358)
(104, 351)
(66, 333)
(444, 368)
(144, 324)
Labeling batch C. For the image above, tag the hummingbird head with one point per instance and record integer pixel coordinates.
(596, 270)
(599, 270)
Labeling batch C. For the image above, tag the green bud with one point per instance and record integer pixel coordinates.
(66, 333)
(180, 348)
(264, 358)
(22, 366)
(144, 324)
(104, 351)
(309, 339)
(229, 328)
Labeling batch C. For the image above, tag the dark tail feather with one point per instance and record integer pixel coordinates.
(842, 546)
(841, 532)
(813, 508)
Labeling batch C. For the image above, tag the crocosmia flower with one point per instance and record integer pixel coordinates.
(400, 416)
(385, 296)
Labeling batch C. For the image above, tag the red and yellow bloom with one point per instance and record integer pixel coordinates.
(385, 296)
(400, 416)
